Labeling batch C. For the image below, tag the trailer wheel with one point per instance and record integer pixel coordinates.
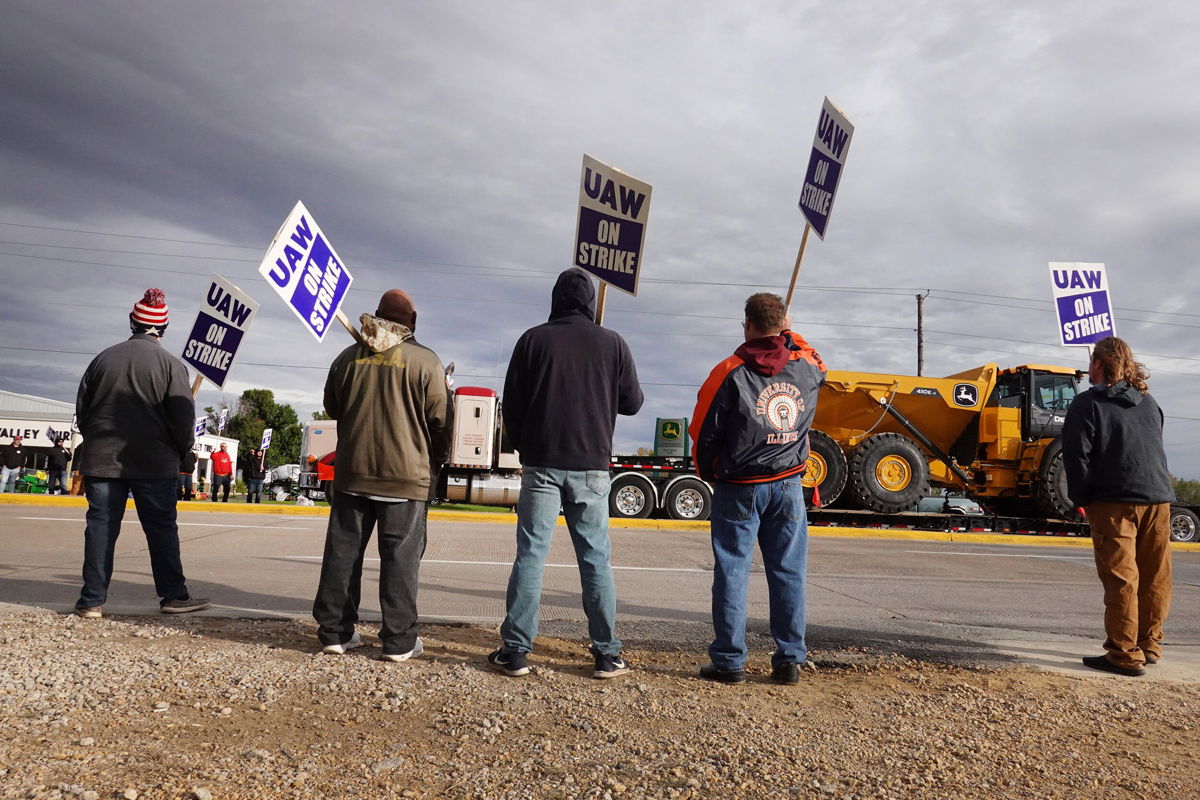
(889, 473)
(826, 468)
(1052, 499)
(689, 499)
(630, 497)
(1185, 525)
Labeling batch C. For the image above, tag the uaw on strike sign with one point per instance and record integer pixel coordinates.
(1081, 299)
(304, 270)
(225, 314)
(830, 147)
(613, 210)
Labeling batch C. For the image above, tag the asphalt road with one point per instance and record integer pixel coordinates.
(943, 601)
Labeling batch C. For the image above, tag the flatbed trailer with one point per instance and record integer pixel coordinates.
(644, 485)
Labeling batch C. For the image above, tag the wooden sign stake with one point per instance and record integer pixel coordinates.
(346, 323)
(600, 303)
(796, 270)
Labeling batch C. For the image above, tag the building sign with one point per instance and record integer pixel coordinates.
(611, 228)
(302, 267)
(830, 147)
(670, 437)
(33, 433)
(224, 315)
(1081, 300)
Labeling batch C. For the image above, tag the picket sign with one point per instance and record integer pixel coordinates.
(830, 148)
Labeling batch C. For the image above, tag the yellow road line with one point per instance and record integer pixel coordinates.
(815, 531)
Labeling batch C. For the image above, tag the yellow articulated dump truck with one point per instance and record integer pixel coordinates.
(881, 442)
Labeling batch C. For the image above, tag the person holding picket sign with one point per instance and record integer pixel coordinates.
(390, 399)
(1117, 471)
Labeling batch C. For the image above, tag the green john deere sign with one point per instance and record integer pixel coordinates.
(671, 437)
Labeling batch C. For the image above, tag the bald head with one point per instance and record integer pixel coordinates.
(397, 306)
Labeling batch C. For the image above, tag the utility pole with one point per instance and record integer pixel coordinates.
(921, 332)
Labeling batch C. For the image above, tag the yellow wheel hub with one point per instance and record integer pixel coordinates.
(893, 473)
(815, 470)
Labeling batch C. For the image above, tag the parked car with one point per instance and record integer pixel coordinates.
(957, 505)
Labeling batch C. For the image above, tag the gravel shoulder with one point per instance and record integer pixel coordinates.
(206, 707)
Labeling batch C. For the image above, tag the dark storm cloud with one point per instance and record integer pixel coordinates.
(439, 147)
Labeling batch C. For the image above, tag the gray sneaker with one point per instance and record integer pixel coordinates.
(416, 652)
(340, 649)
(185, 606)
(92, 612)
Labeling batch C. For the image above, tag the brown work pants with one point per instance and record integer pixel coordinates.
(1132, 543)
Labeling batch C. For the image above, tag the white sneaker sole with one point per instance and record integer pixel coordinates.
(616, 673)
(417, 650)
(340, 649)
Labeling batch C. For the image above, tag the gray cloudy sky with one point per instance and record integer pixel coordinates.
(439, 146)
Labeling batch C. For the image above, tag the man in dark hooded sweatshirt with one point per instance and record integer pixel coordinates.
(1117, 470)
(750, 439)
(567, 381)
(390, 399)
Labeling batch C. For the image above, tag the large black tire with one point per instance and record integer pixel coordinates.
(827, 468)
(630, 497)
(689, 499)
(1185, 525)
(1052, 499)
(888, 473)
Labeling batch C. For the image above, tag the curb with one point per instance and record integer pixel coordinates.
(814, 531)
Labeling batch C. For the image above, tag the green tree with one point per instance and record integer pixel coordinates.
(1187, 492)
(317, 415)
(257, 410)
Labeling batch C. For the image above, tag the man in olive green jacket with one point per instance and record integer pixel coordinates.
(390, 399)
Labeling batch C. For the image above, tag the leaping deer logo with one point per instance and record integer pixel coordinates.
(964, 394)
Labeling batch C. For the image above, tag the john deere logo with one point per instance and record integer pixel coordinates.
(670, 430)
(966, 395)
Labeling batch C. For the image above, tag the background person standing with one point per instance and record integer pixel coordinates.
(222, 468)
(253, 474)
(12, 459)
(1117, 470)
(58, 458)
(567, 381)
(186, 467)
(135, 411)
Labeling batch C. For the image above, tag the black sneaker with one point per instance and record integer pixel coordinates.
(186, 605)
(609, 666)
(711, 672)
(1151, 660)
(1103, 664)
(511, 664)
(787, 674)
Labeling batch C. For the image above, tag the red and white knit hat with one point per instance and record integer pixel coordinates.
(151, 310)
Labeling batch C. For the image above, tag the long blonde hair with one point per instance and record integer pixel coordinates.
(1116, 359)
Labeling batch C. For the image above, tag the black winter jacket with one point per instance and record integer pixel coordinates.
(567, 381)
(1113, 448)
(135, 411)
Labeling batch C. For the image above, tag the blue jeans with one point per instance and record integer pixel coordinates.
(583, 497)
(254, 490)
(773, 514)
(8, 478)
(154, 499)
